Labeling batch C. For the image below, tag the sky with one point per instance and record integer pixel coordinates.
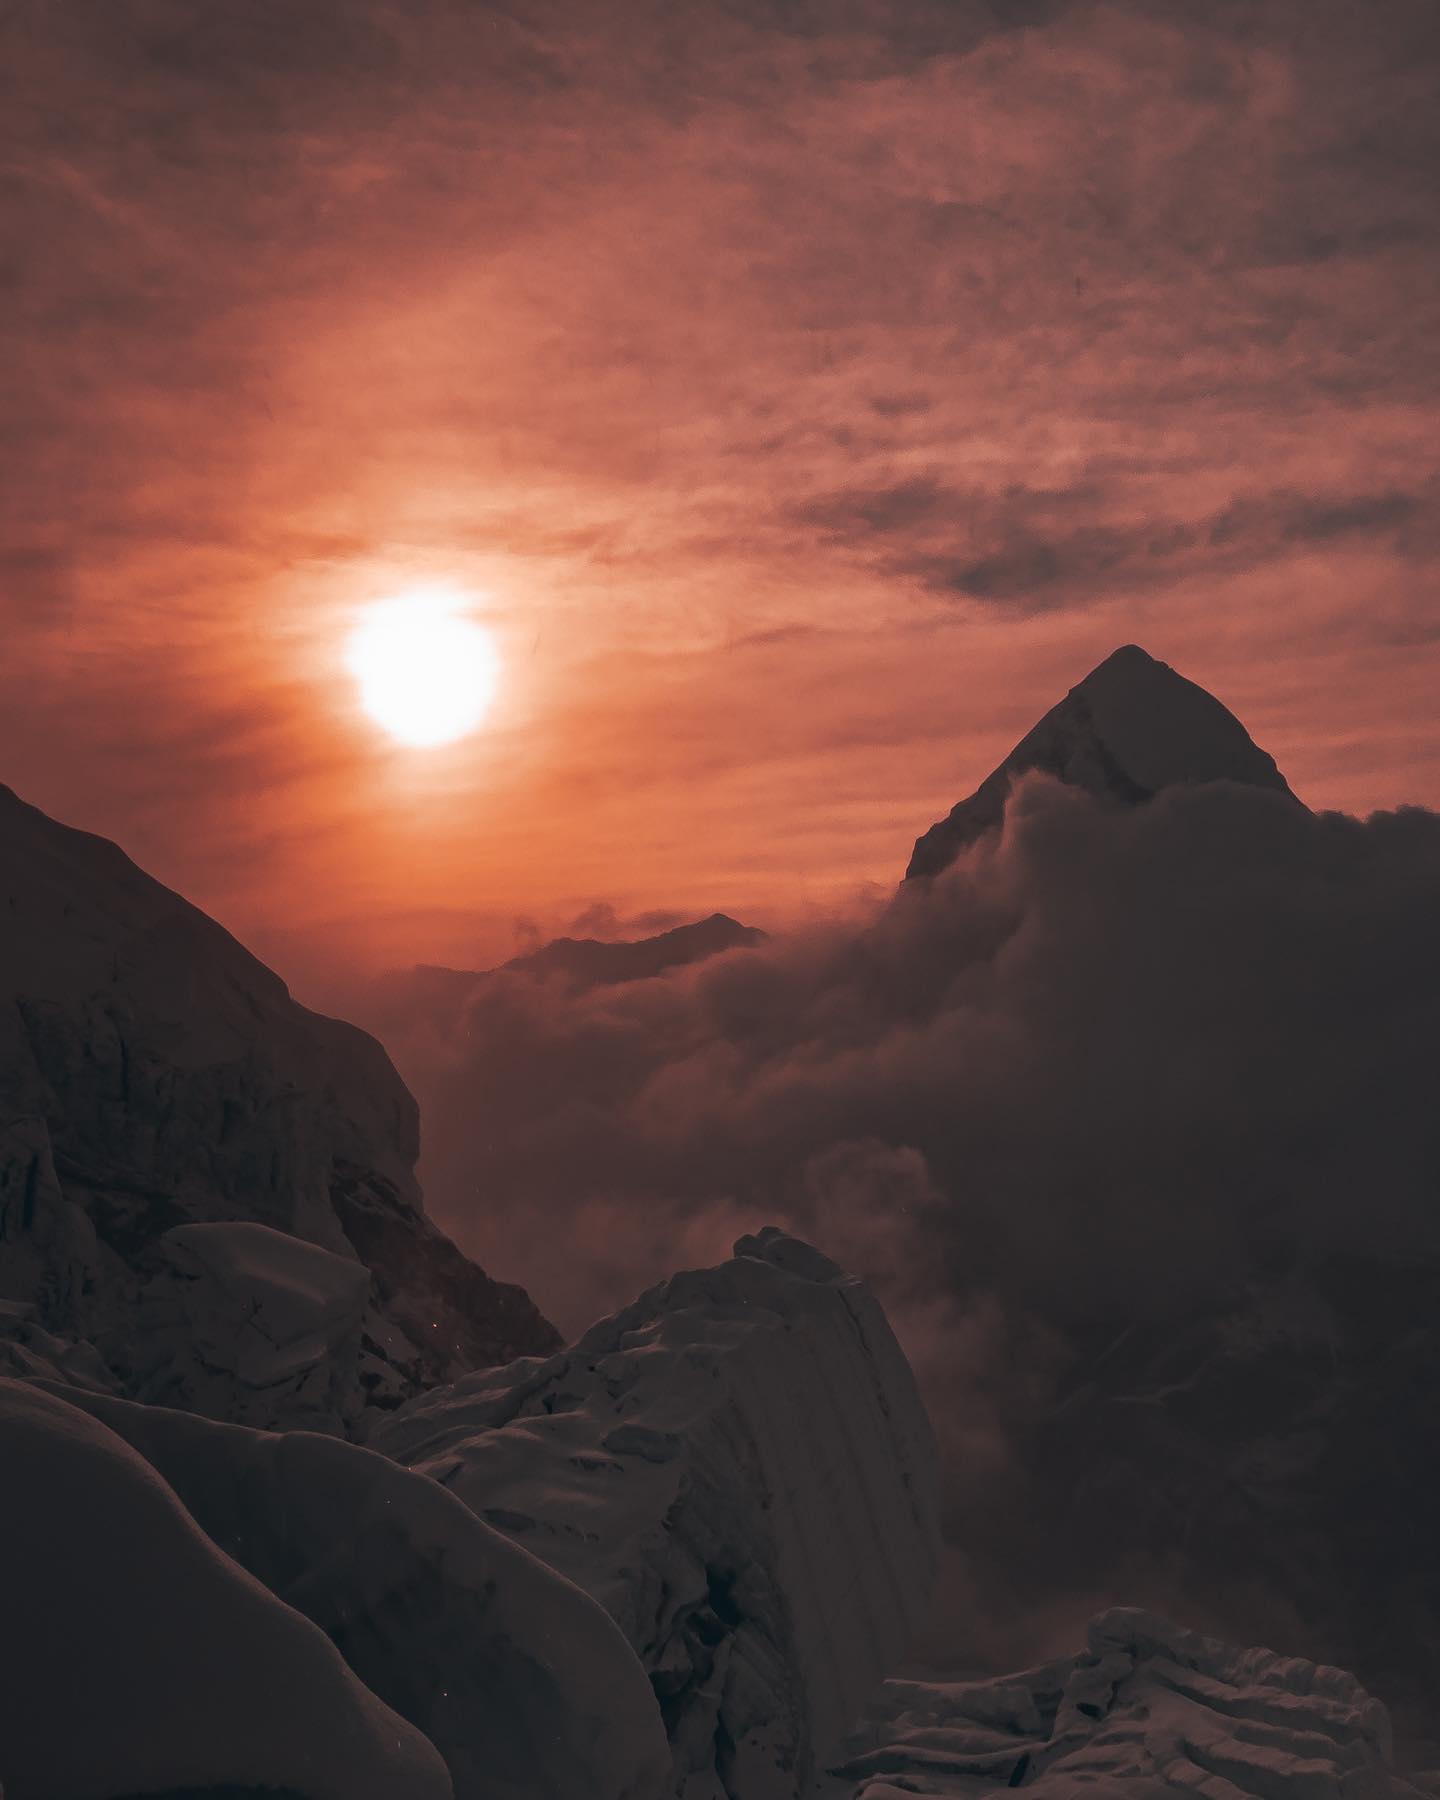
(805, 394)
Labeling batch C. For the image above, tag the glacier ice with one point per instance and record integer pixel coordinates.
(1148, 1708)
(738, 1466)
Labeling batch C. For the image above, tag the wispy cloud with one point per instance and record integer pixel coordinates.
(942, 345)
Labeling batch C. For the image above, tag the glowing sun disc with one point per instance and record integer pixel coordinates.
(426, 673)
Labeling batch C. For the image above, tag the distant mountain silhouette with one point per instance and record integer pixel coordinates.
(594, 962)
(1130, 728)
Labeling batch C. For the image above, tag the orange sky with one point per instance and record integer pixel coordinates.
(808, 393)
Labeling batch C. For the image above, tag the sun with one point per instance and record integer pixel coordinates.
(427, 673)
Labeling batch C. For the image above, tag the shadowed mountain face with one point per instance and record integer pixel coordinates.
(1130, 728)
(177, 1129)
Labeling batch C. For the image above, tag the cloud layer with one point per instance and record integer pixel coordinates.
(810, 392)
(1108, 1069)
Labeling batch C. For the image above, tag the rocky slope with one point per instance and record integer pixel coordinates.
(1130, 728)
(159, 1088)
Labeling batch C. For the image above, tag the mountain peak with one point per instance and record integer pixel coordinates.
(1130, 728)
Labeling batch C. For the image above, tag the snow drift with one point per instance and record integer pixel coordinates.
(503, 1672)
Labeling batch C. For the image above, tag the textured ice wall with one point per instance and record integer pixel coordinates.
(738, 1466)
(1147, 1709)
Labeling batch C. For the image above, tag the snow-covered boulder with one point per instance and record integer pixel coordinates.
(154, 1075)
(1130, 728)
(137, 1658)
(28, 1352)
(1147, 1709)
(246, 1323)
(519, 1679)
(738, 1466)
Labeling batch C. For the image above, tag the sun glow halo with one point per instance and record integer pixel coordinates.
(427, 673)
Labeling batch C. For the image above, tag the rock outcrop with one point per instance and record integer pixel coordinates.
(739, 1468)
(1130, 728)
(156, 1080)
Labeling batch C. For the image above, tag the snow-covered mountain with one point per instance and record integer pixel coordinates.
(677, 1559)
(200, 1178)
(1130, 728)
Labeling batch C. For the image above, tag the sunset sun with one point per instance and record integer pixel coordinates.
(426, 672)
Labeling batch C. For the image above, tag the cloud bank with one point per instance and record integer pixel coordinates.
(1109, 1068)
(804, 390)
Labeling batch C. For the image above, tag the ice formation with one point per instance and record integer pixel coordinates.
(738, 1466)
(1147, 1709)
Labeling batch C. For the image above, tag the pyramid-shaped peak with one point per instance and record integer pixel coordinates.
(1130, 728)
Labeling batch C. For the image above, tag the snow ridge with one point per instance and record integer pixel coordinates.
(739, 1468)
(1147, 1704)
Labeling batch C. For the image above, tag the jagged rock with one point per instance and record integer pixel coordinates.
(155, 1076)
(138, 1658)
(1147, 1709)
(518, 1679)
(739, 1468)
(1130, 728)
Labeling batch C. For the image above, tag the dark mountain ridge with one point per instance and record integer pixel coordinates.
(160, 1080)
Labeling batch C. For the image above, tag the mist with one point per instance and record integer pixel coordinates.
(1113, 1069)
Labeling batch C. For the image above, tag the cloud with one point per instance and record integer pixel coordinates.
(1029, 549)
(1109, 1068)
(1041, 980)
(905, 346)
